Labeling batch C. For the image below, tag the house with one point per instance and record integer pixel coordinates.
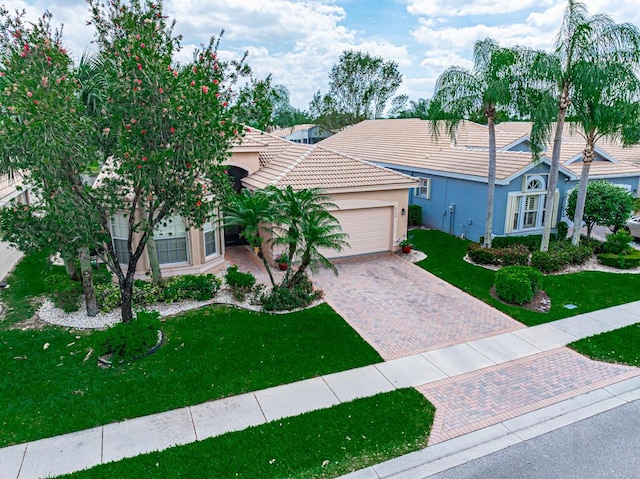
(12, 188)
(453, 174)
(307, 134)
(372, 204)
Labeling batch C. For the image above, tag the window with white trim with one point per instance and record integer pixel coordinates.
(171, 241)
(210, 238)
(526, 211)
(119, 234)
(423, 190)
(534, 183)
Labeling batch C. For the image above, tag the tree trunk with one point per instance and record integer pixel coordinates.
(587, 158)
(552, 182)
(152, 252)
(87, 281)
(491, 183)
(70, 267)
(126, 298)
(266, 266)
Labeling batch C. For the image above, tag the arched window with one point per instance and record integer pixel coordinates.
(535, 183)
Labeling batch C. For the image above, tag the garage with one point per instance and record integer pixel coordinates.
(370, 230)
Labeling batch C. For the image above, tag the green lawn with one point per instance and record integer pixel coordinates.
(319, 444)
(589, 290)
(209, 353)
(27, 284)
(620, 346)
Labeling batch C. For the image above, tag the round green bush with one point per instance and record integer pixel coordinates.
(517, 284)
(129, 341)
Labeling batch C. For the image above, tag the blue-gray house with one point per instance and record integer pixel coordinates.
(453, 174)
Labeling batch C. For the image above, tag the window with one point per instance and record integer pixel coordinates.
(526, 211)
(171, 241)
(119, 234)
(424, 188)
(210, 238)
(534, 183)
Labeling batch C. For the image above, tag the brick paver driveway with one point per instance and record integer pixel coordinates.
(401, 310)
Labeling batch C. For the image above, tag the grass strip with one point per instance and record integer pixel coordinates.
(621, 346)
(48, 388)
(319, 444)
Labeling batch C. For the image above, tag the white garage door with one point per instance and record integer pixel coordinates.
(369, 229)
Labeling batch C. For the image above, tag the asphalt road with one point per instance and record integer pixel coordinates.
(606, 446)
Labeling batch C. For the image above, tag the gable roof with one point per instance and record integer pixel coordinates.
(313, 166)
(412, 143)
(283, 132)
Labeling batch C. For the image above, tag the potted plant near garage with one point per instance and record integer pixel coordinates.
(406, 246)
(283, 261)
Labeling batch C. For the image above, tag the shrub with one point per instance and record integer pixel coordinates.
(189, 286)
(144, 292)
(622, 261)
(618, 243)
(128, 341)
(517, 284)
(549, 261)
(562, 230)
(240, 283)
(480, 255)
(281, 298)
(532, 242)
(415, 215)
(571, 254)
(64, 292)
(102, 275)
(107, 296)
(515, 254)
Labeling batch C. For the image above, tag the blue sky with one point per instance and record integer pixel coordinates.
(298, 41)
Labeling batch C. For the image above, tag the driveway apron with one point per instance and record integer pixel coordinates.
(402, 310)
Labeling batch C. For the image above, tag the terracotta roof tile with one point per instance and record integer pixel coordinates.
(413, 143)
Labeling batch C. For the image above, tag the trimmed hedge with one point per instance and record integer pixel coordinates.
(532, 242)
(176, 288)
(415, 215)
(517, 284)
(515, 254)
(622, 261)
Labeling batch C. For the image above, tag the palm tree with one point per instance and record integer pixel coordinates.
(318, 230)
(252, 211)
(461, 94)
(582, 38)
(292, 208)
(605, 104)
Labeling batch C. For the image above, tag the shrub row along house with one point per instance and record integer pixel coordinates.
(453, 174)
(372, 204)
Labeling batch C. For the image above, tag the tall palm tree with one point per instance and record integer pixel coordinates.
(582, 38)
(252, 211)
(486, 90)
(605, 104)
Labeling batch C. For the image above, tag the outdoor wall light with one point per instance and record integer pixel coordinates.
(404, 212)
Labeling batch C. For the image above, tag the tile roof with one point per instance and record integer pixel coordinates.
(413, 143)
(305, 166)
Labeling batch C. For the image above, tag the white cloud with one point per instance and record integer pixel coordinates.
(460, 8)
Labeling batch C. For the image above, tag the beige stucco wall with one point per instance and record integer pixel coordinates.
(245, 159)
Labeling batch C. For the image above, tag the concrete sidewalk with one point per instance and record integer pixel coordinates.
(83, 449)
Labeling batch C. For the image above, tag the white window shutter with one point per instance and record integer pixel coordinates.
(512, 204)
